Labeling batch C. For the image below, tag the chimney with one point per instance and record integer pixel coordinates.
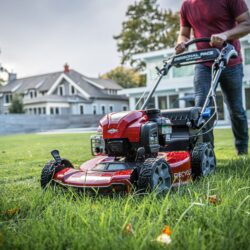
(66, 68)
(12, 77)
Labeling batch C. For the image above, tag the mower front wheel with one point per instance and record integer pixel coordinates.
(154, 175)
(50, 169)
(203, 160)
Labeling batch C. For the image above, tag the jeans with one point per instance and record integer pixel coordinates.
(231, 86)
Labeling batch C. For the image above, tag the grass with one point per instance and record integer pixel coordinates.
(33, 219)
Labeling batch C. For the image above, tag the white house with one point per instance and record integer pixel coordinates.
(176, 89)
(63, 92)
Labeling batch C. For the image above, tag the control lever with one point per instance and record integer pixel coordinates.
(55, 154)
(227, 53)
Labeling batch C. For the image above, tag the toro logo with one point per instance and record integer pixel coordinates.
(112, 131)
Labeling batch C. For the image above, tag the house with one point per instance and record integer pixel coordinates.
(176, 89)
(64, 92)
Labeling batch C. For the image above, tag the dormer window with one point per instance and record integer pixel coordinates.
(111, 91)
(32, 94)
(8, 98)
(61, 90)
(73, 90)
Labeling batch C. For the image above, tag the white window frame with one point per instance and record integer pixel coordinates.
(9, 98)
(70, 90)
(113, 108)
(126, 107)
(63, 90)
(32, 93)
(83, 109)
(94, 108)
(105, 111)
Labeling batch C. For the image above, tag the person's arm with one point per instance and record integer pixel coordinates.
(183, 37)
(241, 29)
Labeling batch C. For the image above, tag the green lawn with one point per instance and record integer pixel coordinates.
(33, 219)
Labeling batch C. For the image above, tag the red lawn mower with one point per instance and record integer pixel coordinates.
(149, 149)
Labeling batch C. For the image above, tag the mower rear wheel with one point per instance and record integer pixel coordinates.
(154, 175)
(203, 160)
(50, 169)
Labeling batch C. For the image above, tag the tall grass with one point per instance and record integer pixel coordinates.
(55, 219)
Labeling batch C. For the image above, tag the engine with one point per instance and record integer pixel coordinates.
(122, 134)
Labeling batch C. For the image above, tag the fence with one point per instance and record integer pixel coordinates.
(15, 123)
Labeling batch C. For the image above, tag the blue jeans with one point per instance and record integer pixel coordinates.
(231, 86)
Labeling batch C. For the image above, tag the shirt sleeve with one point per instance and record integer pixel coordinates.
(183, 16)
(237, 7)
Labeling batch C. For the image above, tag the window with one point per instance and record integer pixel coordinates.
(173, 101)
(247, 98)
(162, 102)
(61, 90)
(34, 110)
(39, 111)
(124, 108)
(44, 110)
(151, 103)
(183, 71)
(35, 94)
(110, 109)
(138, 103)
(103, 109)
(247, 56)
(81, 109)
(72, 90)
(8, 98)
(94, 110)
(189, 99)
(31, 94)
(51, 111)
(57, 111)
(30, 111)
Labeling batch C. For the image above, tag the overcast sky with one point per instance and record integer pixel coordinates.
(39, 36)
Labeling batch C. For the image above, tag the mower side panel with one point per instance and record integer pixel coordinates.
(180, 165)
(95, 179)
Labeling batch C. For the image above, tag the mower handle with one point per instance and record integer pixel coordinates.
(200, 40)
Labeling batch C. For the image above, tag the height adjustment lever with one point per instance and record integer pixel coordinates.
(56, 156)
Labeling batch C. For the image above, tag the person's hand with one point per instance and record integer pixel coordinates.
(180, 48)
(217, 40)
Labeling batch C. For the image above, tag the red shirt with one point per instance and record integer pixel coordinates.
(208, 17)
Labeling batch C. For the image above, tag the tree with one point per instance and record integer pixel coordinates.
(147, 28)
(16, 106)
(125, 77)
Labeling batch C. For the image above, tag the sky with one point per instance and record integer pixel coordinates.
(40, 36)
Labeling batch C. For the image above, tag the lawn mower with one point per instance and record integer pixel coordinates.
(149, 149)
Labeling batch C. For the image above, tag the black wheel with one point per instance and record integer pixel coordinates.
(154, 175)
(50, 169)
(203, 160)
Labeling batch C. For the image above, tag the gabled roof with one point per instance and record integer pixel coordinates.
(94, 87)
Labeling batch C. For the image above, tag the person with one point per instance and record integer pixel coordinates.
(221, 20)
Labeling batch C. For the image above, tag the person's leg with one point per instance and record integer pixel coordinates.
(231, 85)
(202, 83)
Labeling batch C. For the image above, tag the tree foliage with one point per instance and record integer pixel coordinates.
(16, 106)
(147, 28)
(125, 77)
